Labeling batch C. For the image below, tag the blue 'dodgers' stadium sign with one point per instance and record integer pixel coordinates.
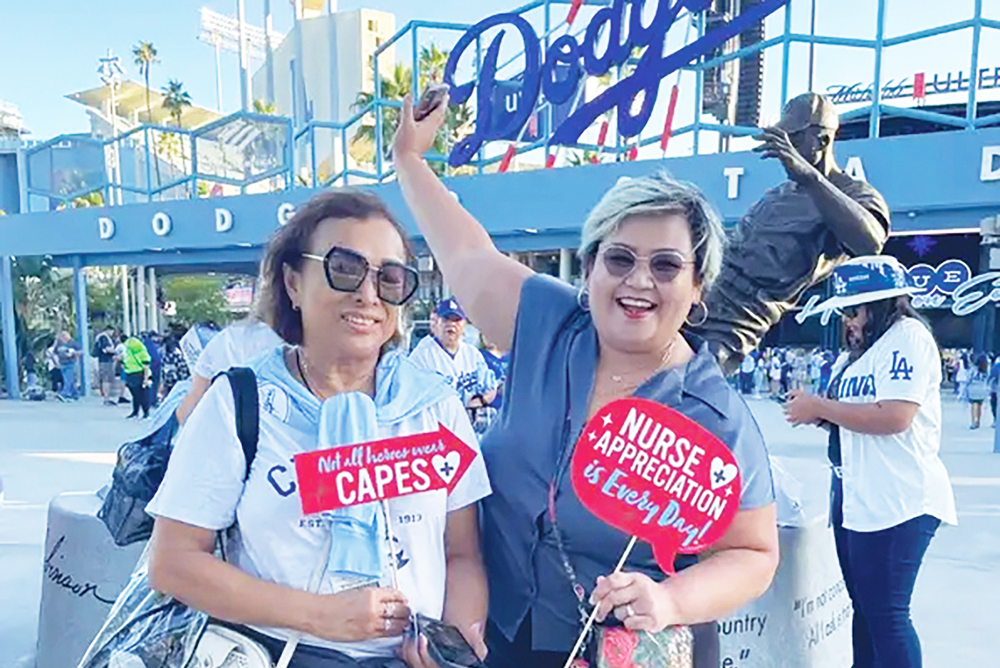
(558, 75)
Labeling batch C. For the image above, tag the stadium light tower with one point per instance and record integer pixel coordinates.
(236, 36)
(109, 68)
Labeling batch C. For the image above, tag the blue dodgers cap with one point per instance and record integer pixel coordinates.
(449, 308)
(867, 279)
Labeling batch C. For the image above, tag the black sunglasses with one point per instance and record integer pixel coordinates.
(346, 270)
(664, 265)
(850, 312)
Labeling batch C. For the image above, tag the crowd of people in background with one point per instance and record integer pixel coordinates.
(778, 371)
(139, 370)
(972, 378)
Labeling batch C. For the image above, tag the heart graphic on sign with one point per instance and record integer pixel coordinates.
(446, 466)
(722, 473)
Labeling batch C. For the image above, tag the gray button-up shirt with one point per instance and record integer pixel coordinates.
(552, 366)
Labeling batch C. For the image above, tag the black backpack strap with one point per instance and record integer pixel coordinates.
(244, 385)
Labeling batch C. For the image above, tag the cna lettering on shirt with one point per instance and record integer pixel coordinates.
(276, 540)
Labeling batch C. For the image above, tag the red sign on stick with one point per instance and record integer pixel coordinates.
(354, 474)
(658, 475)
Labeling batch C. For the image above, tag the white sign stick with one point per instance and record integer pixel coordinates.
(593, 615)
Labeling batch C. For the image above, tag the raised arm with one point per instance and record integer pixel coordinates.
(486, 282)
(856, 228)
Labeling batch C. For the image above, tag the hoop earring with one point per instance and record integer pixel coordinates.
(704, 315)
(583, 298)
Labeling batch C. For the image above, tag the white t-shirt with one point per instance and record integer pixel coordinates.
(776, 368)
(204, 487)
(748, 364)
(467, 371)
(236, 345)
(816, 366)
(891, 479)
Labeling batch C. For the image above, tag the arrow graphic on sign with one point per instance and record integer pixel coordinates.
(350, 475)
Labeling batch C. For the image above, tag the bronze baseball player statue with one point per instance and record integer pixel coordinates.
(795, 235)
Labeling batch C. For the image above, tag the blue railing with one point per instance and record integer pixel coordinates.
(294, 154)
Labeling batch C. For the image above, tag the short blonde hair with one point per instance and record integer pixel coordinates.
(659, 193)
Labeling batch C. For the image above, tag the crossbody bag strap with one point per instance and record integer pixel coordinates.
(244, 385)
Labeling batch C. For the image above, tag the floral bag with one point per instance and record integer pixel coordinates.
(618, 647)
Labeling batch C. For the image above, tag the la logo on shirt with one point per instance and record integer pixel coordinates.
(899, 370)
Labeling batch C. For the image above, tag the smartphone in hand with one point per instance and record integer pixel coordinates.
(430, 100)
(445, 643)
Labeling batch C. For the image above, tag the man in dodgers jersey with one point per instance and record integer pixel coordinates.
(461, 364)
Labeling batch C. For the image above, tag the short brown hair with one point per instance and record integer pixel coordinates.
(287, 245)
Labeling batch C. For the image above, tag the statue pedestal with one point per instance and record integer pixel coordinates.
(82, 575)
(804, 619)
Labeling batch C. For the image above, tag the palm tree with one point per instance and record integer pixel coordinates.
(145, 56)
(175, 99)
(585, 157)
(394, 87)
(432, 63)
(265, 108)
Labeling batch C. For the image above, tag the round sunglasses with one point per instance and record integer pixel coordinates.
(346, 270)
(664, 265)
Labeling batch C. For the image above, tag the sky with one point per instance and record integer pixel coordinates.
(49, 48)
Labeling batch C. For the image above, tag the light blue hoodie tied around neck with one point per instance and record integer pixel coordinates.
(359, 554)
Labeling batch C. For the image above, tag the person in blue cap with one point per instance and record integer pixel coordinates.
(461, 364)
(890, 489)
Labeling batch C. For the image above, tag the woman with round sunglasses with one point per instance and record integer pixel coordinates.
(335, 282)
(890, 490)
(650, 250)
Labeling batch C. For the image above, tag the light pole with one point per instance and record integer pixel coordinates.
(110, 70)
(268, 54)
(228, 33)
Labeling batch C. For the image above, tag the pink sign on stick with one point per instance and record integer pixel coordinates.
(656, 474)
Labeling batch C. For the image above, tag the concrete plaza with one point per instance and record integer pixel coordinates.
(49, 448)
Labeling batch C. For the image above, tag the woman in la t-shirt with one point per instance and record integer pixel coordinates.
(890, 489)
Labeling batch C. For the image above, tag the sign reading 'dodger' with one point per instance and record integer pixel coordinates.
(621, 26)
(658, 475)
(350, 475)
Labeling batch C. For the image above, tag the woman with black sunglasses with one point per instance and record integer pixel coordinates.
(650, 249)
(890, 490)
(334, 285)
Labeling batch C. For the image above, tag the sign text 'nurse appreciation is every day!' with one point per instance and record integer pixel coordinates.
(657, 475)
(566, 56)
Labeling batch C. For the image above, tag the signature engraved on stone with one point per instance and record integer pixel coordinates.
(66, 581)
